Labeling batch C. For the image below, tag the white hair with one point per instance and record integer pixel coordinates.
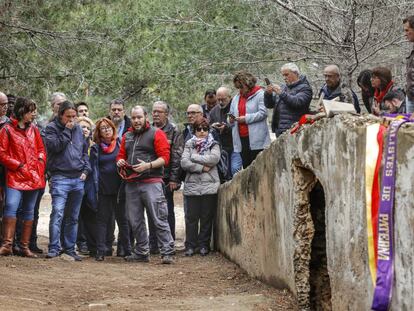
(292, 67)
(55, 95)
(225, 90)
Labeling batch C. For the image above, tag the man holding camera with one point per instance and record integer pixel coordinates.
(143, 154)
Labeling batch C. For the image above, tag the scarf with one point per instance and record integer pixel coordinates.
(203, 144)
(243, 128)
(379, 94)
(108, 148)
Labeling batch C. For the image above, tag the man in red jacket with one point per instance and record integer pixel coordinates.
(144, 153)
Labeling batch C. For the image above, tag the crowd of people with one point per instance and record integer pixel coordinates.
(119, 168)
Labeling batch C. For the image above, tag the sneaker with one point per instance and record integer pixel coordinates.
(52, 255)
(75, 256)
(83, 249)
(167, 259)
(189, 252)
(137, 258)
(204, 251)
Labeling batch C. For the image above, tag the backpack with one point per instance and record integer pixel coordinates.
(223, 167)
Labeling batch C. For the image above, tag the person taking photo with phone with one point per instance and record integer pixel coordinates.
(289, 101)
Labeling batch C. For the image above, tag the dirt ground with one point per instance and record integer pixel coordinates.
(196, 283)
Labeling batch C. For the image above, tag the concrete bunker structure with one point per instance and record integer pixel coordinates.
(296, 218)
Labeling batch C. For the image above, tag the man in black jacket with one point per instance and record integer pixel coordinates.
(171, 178)
(68, 166)
(118, 116)
(222, 129)
(122, 123)
(289, 101)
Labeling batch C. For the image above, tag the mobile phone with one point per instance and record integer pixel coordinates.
(267, 81)
(231, 115)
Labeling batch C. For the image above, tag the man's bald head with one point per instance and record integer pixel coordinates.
(3, 104)
(332, 76)
(3, 97)
(140, 109)
(223, 96)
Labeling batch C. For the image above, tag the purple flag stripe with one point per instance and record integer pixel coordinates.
(385, 261)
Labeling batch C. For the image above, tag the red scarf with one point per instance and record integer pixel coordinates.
(243, 128)
(108, 148)
(379, 95)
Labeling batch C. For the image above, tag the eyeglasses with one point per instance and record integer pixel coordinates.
(105, 128)
(4, 104)
(192, 113)
(204, 129)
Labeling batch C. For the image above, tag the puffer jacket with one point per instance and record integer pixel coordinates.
(290, 105)
(23, 154)
(196, 181)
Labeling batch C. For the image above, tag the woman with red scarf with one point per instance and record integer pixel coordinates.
(107, 188)
(382, 83)
(248, 118)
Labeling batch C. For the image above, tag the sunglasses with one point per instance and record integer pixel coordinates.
(204, 129)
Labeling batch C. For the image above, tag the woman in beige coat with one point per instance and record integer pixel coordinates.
(199, 161)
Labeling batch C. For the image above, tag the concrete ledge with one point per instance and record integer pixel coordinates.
(268, 219)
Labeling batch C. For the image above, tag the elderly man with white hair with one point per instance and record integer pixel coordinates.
(289, 101)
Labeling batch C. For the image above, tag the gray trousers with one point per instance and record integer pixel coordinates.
(150, 196)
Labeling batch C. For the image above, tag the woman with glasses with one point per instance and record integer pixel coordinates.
(23, 154)
(107, 186)
(199, 160)
(248, 118)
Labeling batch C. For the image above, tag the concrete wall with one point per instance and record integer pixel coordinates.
(264, 221)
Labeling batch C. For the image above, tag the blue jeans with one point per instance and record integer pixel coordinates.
(25, 199)
(236, 162)
(67, 194)
(409, 105)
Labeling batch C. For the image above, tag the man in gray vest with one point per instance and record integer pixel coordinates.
(143, 154)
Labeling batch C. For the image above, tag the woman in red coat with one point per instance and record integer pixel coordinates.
(23, 155)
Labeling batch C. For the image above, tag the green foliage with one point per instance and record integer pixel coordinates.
(171, 50)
